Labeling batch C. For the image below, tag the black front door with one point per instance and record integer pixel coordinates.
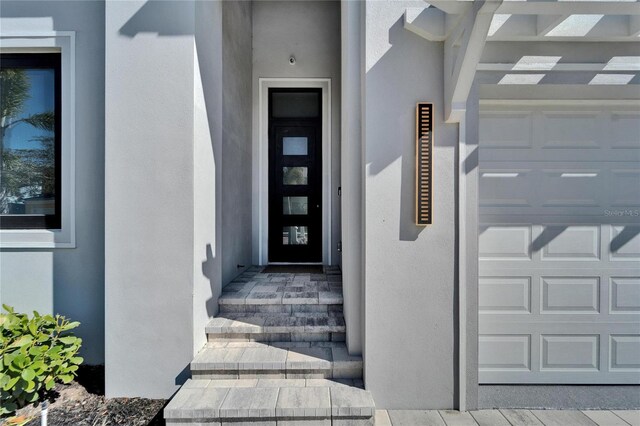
(295, 175)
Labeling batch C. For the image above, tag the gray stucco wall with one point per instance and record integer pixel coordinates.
(352, 174)
(410, 300)
(68, 281)
(149, 196)
(207, 169)
(236, 137)
(164, 249)
(310, 31)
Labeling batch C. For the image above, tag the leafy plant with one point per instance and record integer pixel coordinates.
(35, 353)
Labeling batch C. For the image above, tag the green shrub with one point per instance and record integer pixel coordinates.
(35, 353)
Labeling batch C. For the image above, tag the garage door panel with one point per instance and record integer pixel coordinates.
(624, 295)
(578, 187)
(504, 129)
(505, 242)
(505, 186)
(507, 294)
(504, 352)
(557, 324)
(570, 294)
(624, 188)
(570, 352)
(569, 242)
(559, 246)
(624, 352)
(624, 244)
(538, 134)
(567, 189)
(570, 130)
(624, 129)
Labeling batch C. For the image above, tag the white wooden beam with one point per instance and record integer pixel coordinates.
(572, 27)
(454, 7)
(585, 94)
(561, 67)
(546, 23)
(462, 52)
(587, 38)
(554, 7)
(634, 26)
(427, 22)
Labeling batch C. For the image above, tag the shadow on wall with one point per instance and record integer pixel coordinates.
(165, 19)
(403, 62)
(168, 18)
(396, 92)
(158, 17)
(210, 270)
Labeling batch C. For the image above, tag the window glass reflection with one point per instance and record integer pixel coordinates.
(295, 175)
(295, 205)
(27, 141)
(295, 235)
(294, 145)
(295, 104)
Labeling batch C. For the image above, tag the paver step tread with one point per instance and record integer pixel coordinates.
(330, 359)
(252, 294)
(206, 400)
(243, 323)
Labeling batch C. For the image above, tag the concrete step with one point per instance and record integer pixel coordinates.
(291, 360)
(286, 293)
(267, 402)
(276, 328)
(290, 309)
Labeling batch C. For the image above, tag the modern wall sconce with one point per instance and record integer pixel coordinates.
(424, 163)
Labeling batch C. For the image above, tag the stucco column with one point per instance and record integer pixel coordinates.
(410, 272)
(468, 192)
(149, 196)
(352, 174)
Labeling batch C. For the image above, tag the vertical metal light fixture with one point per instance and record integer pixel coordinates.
(424, 163)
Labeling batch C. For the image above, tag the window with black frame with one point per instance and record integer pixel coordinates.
(30, 141)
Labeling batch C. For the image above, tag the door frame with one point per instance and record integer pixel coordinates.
(261, 164)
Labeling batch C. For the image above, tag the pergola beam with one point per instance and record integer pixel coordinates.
(572, 27)
(462, 52)
(560, 67)
(634, 26)
(427, 22)
(529, 7)
(453, 7)
(432, 23)
(546, 23)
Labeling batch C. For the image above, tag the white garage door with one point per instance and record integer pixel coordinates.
(559, 287)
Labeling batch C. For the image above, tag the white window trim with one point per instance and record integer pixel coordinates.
(261, 167)
(43, 42)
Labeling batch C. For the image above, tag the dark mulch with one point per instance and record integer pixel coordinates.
(96, 411)
(82, 403)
